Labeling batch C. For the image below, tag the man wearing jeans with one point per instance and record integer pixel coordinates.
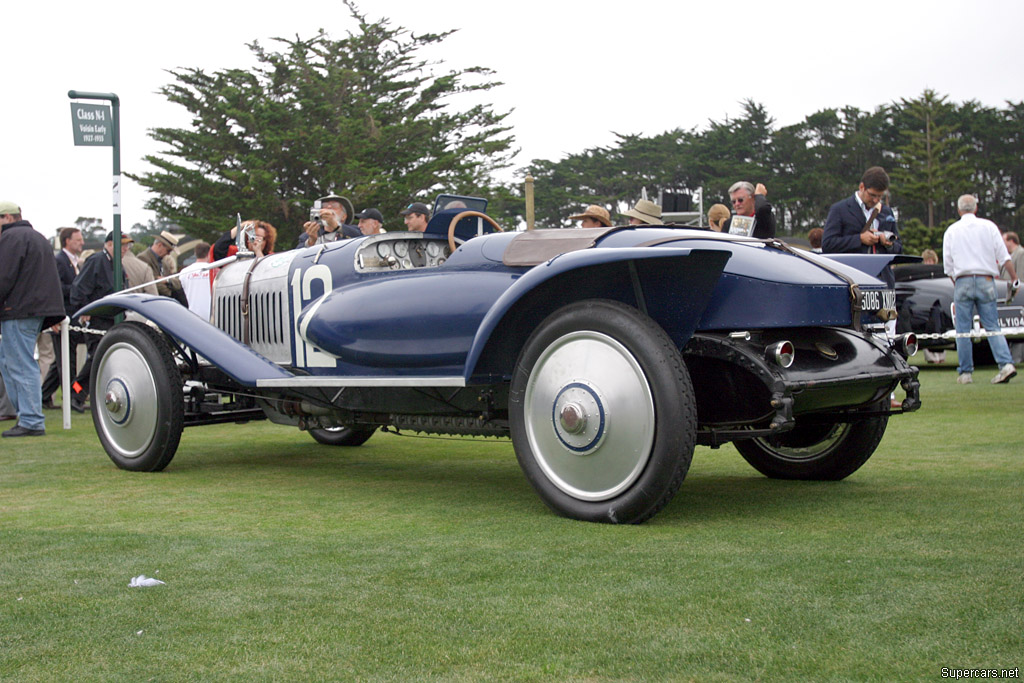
(30, 299)
(972, 252)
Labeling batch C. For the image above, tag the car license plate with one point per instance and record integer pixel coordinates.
(876, 299)
(1011, 316)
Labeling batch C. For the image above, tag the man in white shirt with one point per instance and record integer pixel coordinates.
(972, 252)
(197, 283)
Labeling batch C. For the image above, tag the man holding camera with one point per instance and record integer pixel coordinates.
(327, 222)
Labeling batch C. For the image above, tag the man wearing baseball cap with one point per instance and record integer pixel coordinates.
(417, 215)
(331, 225)
(370, 222)
(30, 299)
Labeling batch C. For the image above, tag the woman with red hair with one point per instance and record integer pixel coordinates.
(261, 243)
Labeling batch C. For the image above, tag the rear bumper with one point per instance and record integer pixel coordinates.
(836, 373)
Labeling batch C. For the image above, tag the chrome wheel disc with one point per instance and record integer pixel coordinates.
(589, 415)
(127, 399)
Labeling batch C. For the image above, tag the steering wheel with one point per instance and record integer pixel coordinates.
(468, 214)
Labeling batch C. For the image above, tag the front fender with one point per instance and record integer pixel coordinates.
(237, 360)
(671, 285)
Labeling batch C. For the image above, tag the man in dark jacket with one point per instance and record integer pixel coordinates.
(863, 224)
(30, 299)
(95, 280)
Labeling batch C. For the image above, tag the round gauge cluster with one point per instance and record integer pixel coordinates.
(404, 254)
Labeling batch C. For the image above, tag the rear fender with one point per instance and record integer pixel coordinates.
(873, 264)
(237, 360)
(673, 286)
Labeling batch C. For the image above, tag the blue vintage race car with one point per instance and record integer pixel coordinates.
(605, 354)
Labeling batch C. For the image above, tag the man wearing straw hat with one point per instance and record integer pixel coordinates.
(645, 212)
(594, 217)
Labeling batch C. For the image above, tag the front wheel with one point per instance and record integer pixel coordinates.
(822, 452)
(341, 436)
(137, 403)
(602, 413)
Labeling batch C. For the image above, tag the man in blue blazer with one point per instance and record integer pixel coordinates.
(863, 224)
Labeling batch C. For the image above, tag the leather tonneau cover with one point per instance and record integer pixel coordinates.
(534, 247)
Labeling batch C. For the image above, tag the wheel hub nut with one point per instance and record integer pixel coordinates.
(572, 418)
(113, 402)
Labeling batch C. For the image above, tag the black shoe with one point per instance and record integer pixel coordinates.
(48, 404)
(77, 406)
(18, 430)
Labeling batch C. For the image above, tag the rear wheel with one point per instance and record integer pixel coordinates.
(602, 413)
(342, 436)
(826, 452)
(137, 404)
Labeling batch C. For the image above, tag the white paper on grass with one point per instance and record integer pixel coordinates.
(142, 580)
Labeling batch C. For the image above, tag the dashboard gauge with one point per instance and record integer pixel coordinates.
(407, 263)
(384, 249)
(433, 249)
(401, 248)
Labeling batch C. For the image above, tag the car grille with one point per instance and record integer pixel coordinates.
(268, 327)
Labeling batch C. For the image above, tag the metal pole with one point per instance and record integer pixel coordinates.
(65, 372)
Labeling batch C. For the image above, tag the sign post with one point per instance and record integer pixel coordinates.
(99, 125)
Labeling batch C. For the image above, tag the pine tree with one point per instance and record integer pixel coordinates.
(363, 116)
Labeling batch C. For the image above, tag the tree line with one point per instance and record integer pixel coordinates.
(366, 116)
(934, 150)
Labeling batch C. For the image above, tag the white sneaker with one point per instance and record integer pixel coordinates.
(964, 378)
(1006, 373)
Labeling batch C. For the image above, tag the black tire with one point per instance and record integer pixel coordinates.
(342, 436)
(137, 404)
(816, 452)
(602, 413)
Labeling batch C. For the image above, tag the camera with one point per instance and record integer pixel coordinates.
(314, 214)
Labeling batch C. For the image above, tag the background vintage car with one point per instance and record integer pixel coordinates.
(924, 298)
(605, 354)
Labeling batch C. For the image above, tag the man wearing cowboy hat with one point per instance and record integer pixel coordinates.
(644, 213)
(594, 217)
(334, 211)
(154, 258)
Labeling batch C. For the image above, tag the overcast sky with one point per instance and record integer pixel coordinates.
(573, 72)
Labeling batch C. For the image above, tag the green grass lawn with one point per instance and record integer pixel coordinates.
(413, 558)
